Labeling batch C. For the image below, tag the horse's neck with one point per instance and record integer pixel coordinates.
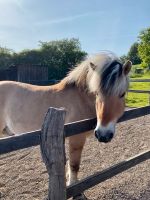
(82, 105)
(79, 104)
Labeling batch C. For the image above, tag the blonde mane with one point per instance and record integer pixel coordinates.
(84, 77)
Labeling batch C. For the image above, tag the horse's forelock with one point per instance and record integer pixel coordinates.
(112, 80)
(105, 78)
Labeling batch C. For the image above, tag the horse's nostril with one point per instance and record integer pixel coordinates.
(103, 138)
(111, 135)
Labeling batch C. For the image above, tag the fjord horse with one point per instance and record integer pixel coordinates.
(96, 87)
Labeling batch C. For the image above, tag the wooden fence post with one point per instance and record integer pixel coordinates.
(53, 152)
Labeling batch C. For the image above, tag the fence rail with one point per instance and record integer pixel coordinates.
(139, 80)
(51, 140)
(54, 156)
(101, 176)
(30, 139)
(141, 91)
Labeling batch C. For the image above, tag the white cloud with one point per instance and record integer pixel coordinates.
(67, 19)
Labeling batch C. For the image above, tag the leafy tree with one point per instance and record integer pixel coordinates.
(27, 56)
(133, 54)
(61, 55)
(58, 55)
(144, 46)
(5, 57)
(123, 58)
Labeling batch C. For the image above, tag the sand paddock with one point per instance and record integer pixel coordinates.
(23, 175)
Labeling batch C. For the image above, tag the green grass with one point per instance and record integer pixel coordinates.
(138, 99)
(141, 76)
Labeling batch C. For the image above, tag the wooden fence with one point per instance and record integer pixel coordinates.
(141, 91)
(51, 139)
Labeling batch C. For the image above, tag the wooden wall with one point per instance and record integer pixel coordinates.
(25, 73)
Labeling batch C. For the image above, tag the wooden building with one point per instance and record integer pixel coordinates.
(26, 73)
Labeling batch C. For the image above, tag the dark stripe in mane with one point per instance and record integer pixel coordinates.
(109, 77)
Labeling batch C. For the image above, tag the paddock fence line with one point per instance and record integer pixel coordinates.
(141, 91)
(52, 138)
(30, 139)
(139, 80)
(106, 174)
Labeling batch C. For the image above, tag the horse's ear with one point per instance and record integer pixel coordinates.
(92, 66)
(127, 67)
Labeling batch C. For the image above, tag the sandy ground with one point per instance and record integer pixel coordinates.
(23, 175)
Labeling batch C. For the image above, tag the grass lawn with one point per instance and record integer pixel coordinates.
(138, 99)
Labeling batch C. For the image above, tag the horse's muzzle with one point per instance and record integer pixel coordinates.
(104, 138)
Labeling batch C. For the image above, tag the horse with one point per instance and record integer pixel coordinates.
(94, 88)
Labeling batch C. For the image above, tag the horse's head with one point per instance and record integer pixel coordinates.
(110, 82)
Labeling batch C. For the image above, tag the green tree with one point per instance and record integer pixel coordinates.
(28, 57)
(133, 54)
(144, 46)
(123, 58)
(5, 57)
(61, 55)
(58, 55)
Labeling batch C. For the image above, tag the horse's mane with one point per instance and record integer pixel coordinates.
(76, 77)
(107, 73)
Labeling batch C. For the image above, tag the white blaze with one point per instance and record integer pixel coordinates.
(110, 127)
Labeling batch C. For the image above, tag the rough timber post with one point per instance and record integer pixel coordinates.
(53, 152)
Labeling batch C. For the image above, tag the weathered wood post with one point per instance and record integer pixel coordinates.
(53, 152)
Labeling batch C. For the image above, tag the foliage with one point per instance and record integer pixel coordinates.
(5, 57)
(61, 55)
(27, 56)
(58, 55)
(133, 54)
(123, 58)
(144, 46)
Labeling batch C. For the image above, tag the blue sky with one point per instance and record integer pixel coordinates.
(99, 24)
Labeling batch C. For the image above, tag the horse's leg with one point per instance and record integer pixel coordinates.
(76, 144)
(6, 131)
(2, 127)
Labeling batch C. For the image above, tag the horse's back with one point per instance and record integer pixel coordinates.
(21, 107)
(25, 105)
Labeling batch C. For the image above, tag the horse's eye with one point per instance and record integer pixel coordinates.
(121, 96)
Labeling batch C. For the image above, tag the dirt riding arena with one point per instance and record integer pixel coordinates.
(23, 175)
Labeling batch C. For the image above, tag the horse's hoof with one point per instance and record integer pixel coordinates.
(80, 197)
